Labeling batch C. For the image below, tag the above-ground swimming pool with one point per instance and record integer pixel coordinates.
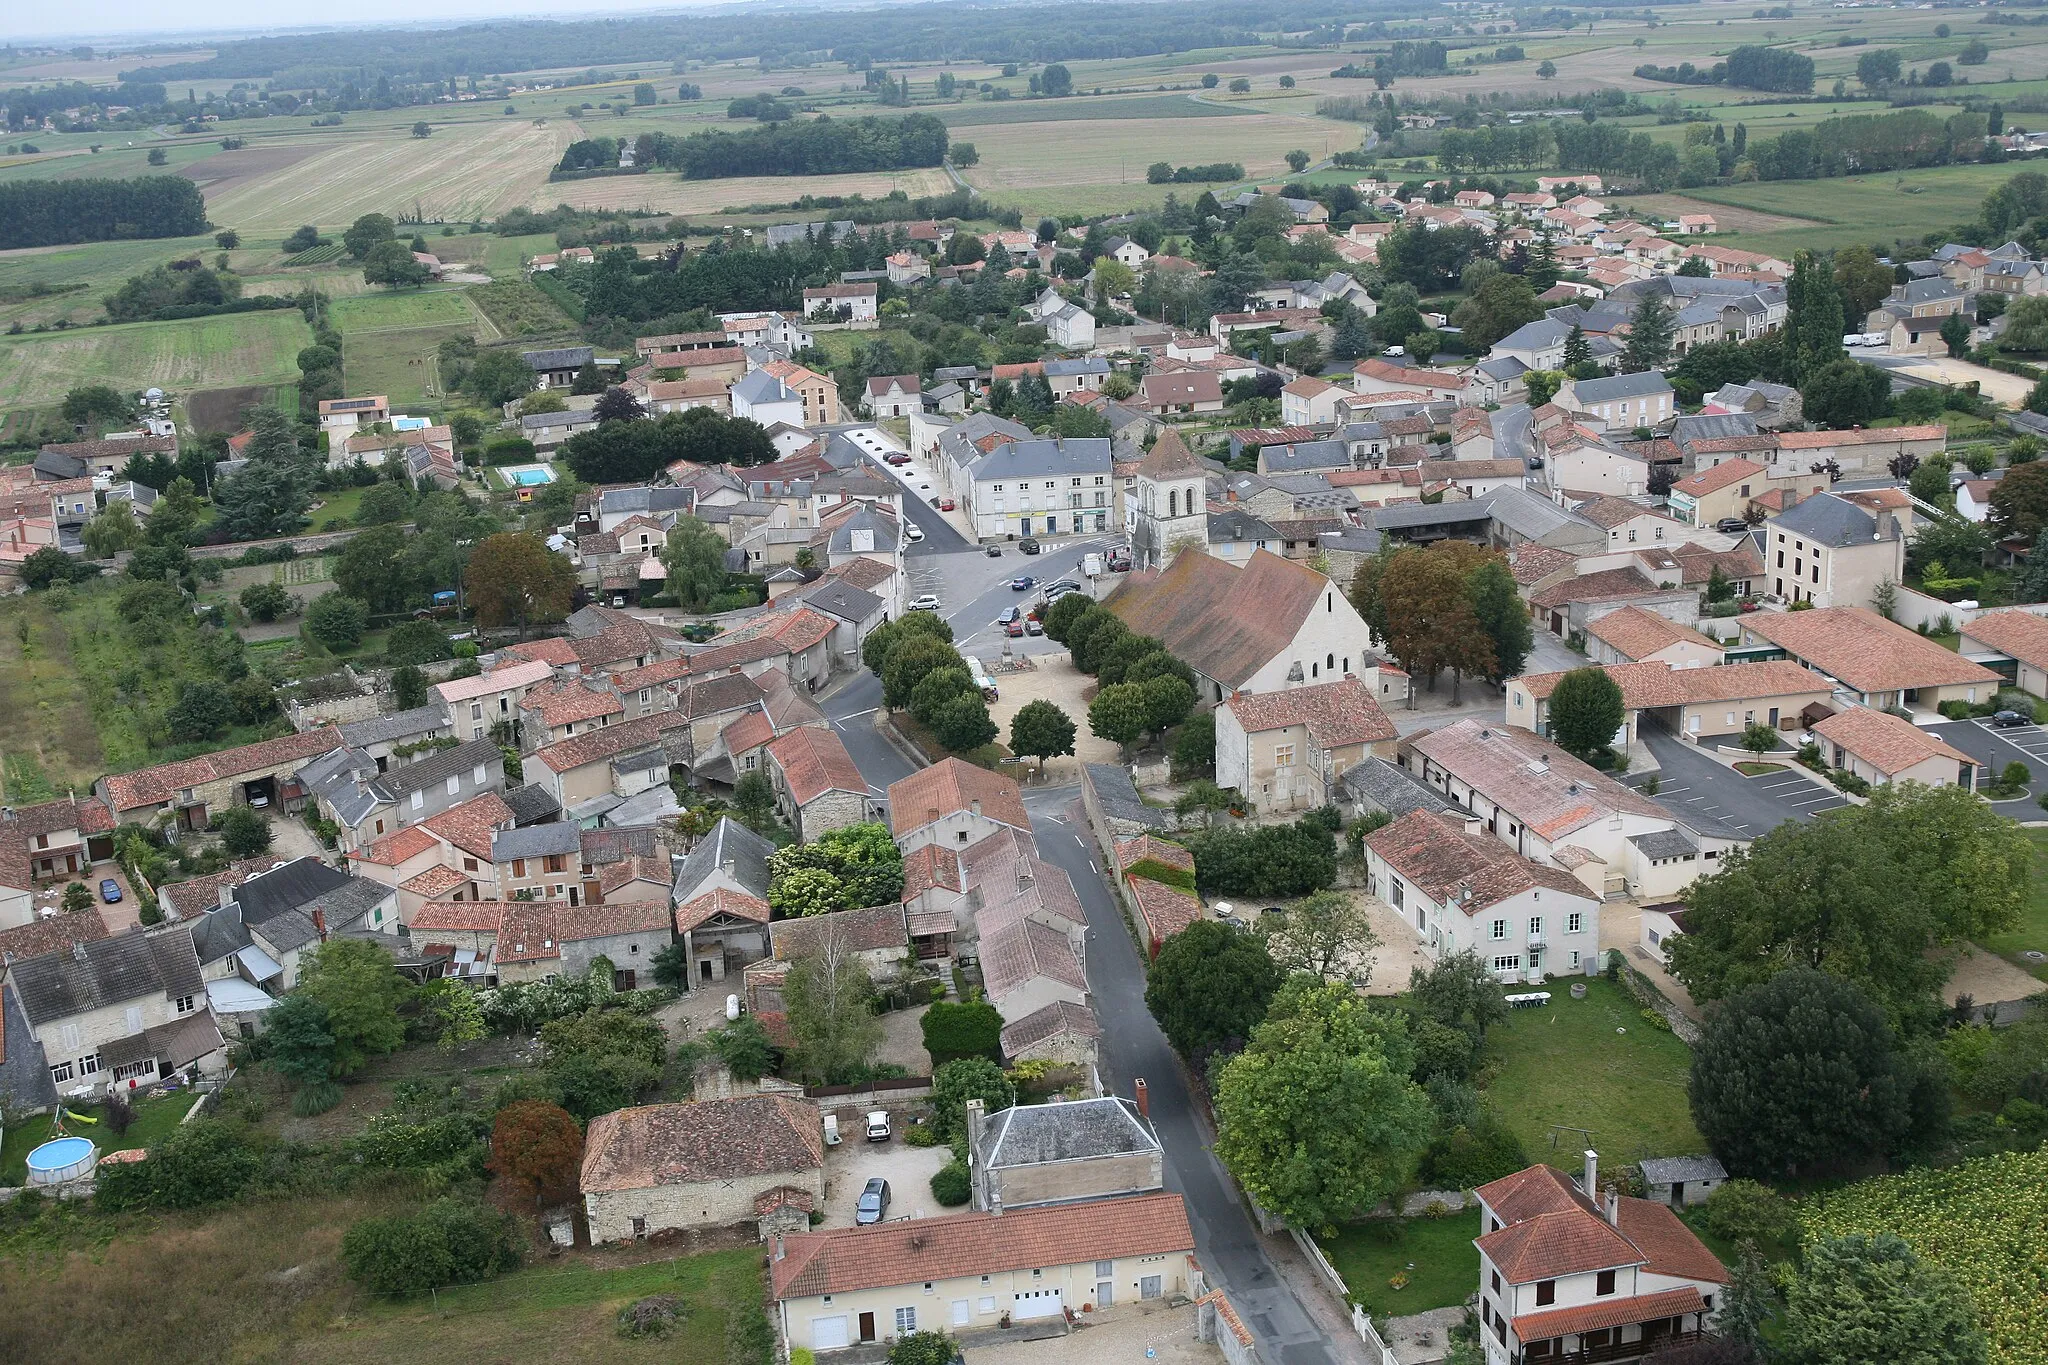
(66, 1158)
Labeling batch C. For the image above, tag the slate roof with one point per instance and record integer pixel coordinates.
(700, 1142)
(395, 726)
(845, 1260)
(1665, 1170)
(1044, 457)
(1394, 790)
(559, 358)
(531, 805)
(728, 842)
(97, 973)
(536, 841)
(1829, 520)
(1081, 1130)
(1118, 795)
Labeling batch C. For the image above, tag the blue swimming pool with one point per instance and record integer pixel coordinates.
(527, 478)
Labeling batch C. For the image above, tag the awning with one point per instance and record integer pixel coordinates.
(232, 995)
(260, 966)
(1591, 1317)
(172, 1045)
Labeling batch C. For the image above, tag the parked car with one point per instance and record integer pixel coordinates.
(1063, 585)
(110, 890)
(1119, 561)
(912, 532)
(878, 1125)
(2011, 720)
(1031, 626)
(928, 602)
(946, 505)
(995, 552)
(899, 458)
(873, 1204)
(1731, 526)
(1009, 614)
(1014, 629)
(1027, 546)
(1023, 584)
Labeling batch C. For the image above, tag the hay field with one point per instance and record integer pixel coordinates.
(388, 309)
(101, 266)
(239, 348)
(1867, 208)
(666, 192)
(1026, 156)
(463, 171)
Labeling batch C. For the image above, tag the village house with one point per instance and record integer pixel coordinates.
(1309, 401)
(1882, 662)
(477, 704)
(1569, 1271)
(1700, 702)
(1727, 491)
(121, 1012)
(720, 895)
(1525, 919)
(1286, 750)
(705, 1164)
(1635, 635)
(1837, 550)
(954, 804)
(847, 303)
(546, 940)
(1620, 401)
(1881, 748)
(50, 841)
(366, 804)
(195, 789)
(817, 786)
(897, 395)
(836, 1288)
(1040, 486)
(1032, 1155)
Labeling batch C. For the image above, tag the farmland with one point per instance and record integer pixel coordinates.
(240, 348)
(99, 266)
(1871, 208)
(665, 192)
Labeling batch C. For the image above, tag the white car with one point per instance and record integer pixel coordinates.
(928, 602)
(912, 532)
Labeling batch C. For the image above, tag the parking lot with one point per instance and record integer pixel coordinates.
(1993, 748)
(1690, 780)
(909, 1171)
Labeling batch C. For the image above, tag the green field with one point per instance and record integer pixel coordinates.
(399, 363)
(389, 309)
(1627, 1077)
(1865, 208)
(2032, 933)
(240, 348)
(100, 266)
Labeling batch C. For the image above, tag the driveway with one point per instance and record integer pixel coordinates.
(909, 1171)
(1690, 780)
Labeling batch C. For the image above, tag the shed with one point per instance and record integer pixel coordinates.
(1682, 1180)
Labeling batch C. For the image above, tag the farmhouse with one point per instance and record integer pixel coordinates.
(193, 789)
(698, 1165)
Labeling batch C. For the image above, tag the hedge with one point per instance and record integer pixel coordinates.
(1151, 869)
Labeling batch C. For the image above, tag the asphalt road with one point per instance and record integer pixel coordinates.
(1689, 779)
(1230, 1247)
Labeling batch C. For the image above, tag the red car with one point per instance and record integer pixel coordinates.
(1014, 629)
(896, 459)
(946, 506)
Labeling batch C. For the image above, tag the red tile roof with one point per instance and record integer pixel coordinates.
(1864, 650)
(2020, 634)
(526, 931)
(814, 761)
(930, 866)
(469, 825)
(1166, 910)
(1553, 1245)
(692, 914)
(571, 700)
(1591, 1317)
(48, 935)
(393, 849)
(437, 880)
(952, 785)
(476, 917)
(1604, 586)
(749, 732)
(161, 784)
(845, 1260)
(1469, 871)
(1635, 632)
(1149, 848)
(1336, 714)
(1668, 1245)
(1061, 1016)
(1884, 741)
(1223, 621)
(708, 1140)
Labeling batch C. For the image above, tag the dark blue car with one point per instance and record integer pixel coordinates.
(110, 890)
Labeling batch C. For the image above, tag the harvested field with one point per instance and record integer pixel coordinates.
(334, 283)
(258, 348)
(404, 308)
(663, 192)
(1732, 220)
(1024, 155)
(211, 410)
(463, 171)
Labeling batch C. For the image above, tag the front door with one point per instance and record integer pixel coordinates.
(1105, 1293)
(867, 1326)
(704, 969)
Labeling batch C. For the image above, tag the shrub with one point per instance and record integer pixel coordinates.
(969, 1029)
(1747, 1211)
(651, 1318)
(450, 1241)
(1849, 782)
(952, 1186)
(1956, 709)
(1153, 870)
(201, 1163)
(1470, 1156)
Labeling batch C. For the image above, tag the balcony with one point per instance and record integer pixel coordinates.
(1536, 939)
(1619, 1350)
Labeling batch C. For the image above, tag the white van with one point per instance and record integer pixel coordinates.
(1091, 565)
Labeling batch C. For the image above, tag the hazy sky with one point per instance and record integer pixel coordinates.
(128, 20)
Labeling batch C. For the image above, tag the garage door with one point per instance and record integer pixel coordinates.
(1038, 1303)
(828, 1334)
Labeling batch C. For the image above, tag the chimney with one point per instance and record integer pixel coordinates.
(975, 806)
(1613, 1207)
(78, 951)
(1144, 1097)
(320, 923)
(1590, 1182)
(977, 1115)
(227, 895)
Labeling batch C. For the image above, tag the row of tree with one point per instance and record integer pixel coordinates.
(823, 146)
(56, 212)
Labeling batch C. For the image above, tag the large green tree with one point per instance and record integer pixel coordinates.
(1585, 711)
(828, 999)
(1317, 1117)
(1799, 1074)
(358, 983)
(1041, 730)
(1864, 1298)
(514, 579)
(1815, 320)
(2019, 502)
(1498, 606)
(695, 559)
(1650, 329)
(1210, 985)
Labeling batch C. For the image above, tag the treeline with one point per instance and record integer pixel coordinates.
(26, 109)
(171, 286)
(1770, 68)
(924, 32)
(824, 147)
(1862, 143)
(59, 212)
(1685, 73)
(1166, 173)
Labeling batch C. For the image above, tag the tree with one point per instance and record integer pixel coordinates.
(360, 986)
(366, 233)
(1055, 80)
(1816, 321)
(409, 687)
(2019, 502)
(48, 566)
(1878, 69)
(829, 1002)
(514, 579)
(617, 404)
(1650, 329)
(1695, 268)
(537, 1148)
(970, 1028)
(1929, 482)
(1546, 69)
(1585, 711)
(1168, 699)
(1497, 307)
(392, 263)
(1328, 934)
(244, 833)
(95, 405)
(77, 896)
(1210, 985)
(1317, 1117)
(267, 497)
(1429, 616)
(449, 1241)
(499, 377)
(370, 569)
(744, 1047)
(957, 1082)
(1863, 281)
(337, 621)
(296, 1040)
(1845, 393)
(1955, 334)
(694, 556)
(1297, 161)
(1041, 730)
(963, 723)
(1497, 605)
(1760, 738)
(1119, 714)
(113, 530)
(203, 710)
(753, 801)
(1862, 1298)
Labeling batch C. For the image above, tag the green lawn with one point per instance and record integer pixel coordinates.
(2032, 933)
(153, 1119)
(1596, 1064)
(37, 369)
(401, 308)
(1445, 1264)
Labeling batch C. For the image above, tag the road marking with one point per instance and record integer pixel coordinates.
(858, 714)
(1092, 867)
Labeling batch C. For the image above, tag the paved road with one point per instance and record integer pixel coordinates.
(1230, 1247)
(1993, 749)
(1689, 779)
